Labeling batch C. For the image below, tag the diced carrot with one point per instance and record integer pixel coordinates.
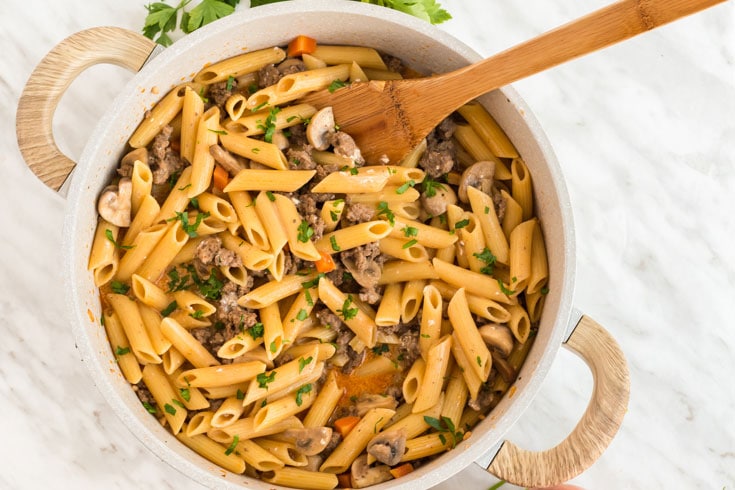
(220, 177)
(346, 424)
(399, 471)
(325, 264)
(344, 480)
(300, 45)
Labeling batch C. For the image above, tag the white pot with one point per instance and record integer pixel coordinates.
(424, 48)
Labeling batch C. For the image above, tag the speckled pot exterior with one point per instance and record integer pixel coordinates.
(422, 47)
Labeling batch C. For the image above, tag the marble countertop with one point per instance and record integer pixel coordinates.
(645, 134)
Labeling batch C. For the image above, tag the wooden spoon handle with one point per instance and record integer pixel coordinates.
(49, 81)
(595, 430)
(609, 25)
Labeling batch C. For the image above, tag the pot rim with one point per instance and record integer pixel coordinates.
(441, 468)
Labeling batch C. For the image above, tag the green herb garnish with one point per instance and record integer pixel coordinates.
(487, 257)
(305, 232)
(256, 331)
(264, 379)
(121, 351)
(402, 189)
(119, 287)
(231, 448)
(302, 391)
(445, 425)
(304, 362)
(169, 309)
(410, 243)
(336, 84)
(108, 234)
(384, 210)
(333, 242)
(346, 311)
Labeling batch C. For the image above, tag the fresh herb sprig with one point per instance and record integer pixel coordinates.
(164, 19)
(445, 425)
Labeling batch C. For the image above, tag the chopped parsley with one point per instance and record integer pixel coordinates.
(410, 231)
(479, 361)
(256, 331)
(425, 336)
(505, 290)
(121, 351)
(197, 314)
(231, 448)
(264, 379)
(314, 282)
(487, 209)
(149, 408)
(402, 189)
(410, 243)
(169, 409)
(169, 309)
(334, 216)
(461, 224)
(487, 257)
(270, 125)
(119, 287)
(544, 290)
(302, 315)
(378, 350)
(176, 282)
(430, 187)
(177, 403)
(304, 362)
(305, 232)
(384, 210)
(302, 391)
(218, 131)
(185, 394)
(240, 395)
(230, 83)
(336, 84)
(445, 425)
(190, 228)
(346, 311)
(333, 242)
(308, 298)
(259, 106)
(273, 347)
(270, 196)
(108, 234)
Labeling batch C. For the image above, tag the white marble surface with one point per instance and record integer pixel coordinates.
(645, 133)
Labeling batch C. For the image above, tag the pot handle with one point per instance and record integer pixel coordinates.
(594, 432)
(50, 79)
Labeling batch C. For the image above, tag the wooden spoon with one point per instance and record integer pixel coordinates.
(392, 117)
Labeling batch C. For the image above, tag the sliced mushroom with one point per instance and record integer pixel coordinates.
(507, 372)
(226, 159)
(115, 203)
(309, 440)
(436, 205)
(363, 475)
(388, 447)
(368, 401)
(127, 162)
(279, 139)
(479, 175)
(368, 277)
(313, 463)
(497, 336)
(320, 128)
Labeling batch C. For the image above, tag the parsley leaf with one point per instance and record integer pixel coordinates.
(256, 331)
(121, 351)
(204, 13)
(402, 189)
(461, 224)
(305, 232)
(304, 362)
(119, 287)
(430, 187)
(169, 309)
(160, 20)
(302, 315)
(169, 409)
(380, 349)
(486, 256)
(410, 231)
(504, 289)
(231, 448)
(336, 84)
(263, 379)
(108, 234)
(346, 311)
(190, 228)
(301, 391)
(270, 125)
(149, 408)
(410, 243)
(185, 394)
(333, 242)
(445, 425)
(384, 210)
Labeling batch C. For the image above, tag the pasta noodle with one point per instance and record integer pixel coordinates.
(307, 292)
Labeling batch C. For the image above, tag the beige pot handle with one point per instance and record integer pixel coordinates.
(593, 433)
(49, 81)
